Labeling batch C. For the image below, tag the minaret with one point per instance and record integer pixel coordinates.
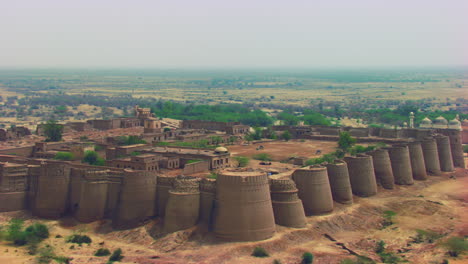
(411, 120)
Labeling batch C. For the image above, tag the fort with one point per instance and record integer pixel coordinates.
(143, 181)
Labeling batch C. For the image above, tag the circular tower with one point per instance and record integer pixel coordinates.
(431, 155)
(243, 207)
(382, 168)
(287, 207)
(314, 190)
(162, 193)
(418, 167)
(401, 164)
(339, 182)
(183, 204)
(362, 175)
(207, 197)
(445, 153)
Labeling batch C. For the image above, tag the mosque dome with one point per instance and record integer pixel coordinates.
(454, 122)
(221, 150)
(426, 121)
(440, 121)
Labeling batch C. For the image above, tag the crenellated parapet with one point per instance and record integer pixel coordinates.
(186, 184)
(287, 207)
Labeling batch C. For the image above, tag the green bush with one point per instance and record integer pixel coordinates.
(263, 157)
(79, 239)
(428, 236)
(276, 261)
(38, 230)
(129, 140)
(456, 246)
(243, 161)
(32, 235)
(345, 141)
(260, 252)
(307, 258)
(102, 252)
(358, 260)
(116, 255)
(465, 148)
(92, 158)
(64, 156)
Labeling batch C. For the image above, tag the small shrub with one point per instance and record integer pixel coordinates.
(116, 255)
(380, 247)
(260, 252)
(277, 261)
(307, 258)
(428, 236)
(465, 148)
(213, 175)
(456, 246)
(102, 252)
(64, 156)
(358, 260)
(79, 239)
(243, 161)
(38, 230)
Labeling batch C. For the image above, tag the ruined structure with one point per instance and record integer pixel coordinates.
(401, 164)
(362, 175)
(243, 207)
(339, 182)
(418, 166)
(445, 153)
(14, 133)
(287, 207)
(383, 168)
(431, 156)
(314, 190)
(183, 204)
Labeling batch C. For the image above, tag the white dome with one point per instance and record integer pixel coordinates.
(426, 121)
(221, 150)
(440, 121)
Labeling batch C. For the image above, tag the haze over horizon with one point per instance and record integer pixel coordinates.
(220, 34)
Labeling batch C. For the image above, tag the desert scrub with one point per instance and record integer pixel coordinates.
(102, 252)
(79, 239)
(32, 235)
(388, 218)
(260, 252)
(307, 258)
(456, 246)
(243, 161)
(116, 256)
(428, 236)
(386, 257)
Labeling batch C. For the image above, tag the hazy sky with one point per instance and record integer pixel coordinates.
(233, 33)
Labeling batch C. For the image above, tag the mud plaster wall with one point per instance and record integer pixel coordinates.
(207, 197)
(339, 182)
(445, 153)
(455, 146)
(287, 207)
(13, 201)
(137, 199)
(382, 168)
(52, 190)
(418, 167)
(431, 156)
(243, 208)
(196, 167)
(401, 165)
(362, 175)
(92, 204)
(162, 193)
(183, 205)
(314, 190)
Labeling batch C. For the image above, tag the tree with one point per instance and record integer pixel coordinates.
(53, 131)
(286, 135)
(307, 258)
(63, 156)
(346, 141)
(92, 158)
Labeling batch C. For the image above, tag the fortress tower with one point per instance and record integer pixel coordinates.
(207, 198)
(287, 207)
(162, 193)
(401, 164)
(91, 204)
(183, 204)
(243, 209)
(340, 184)
(418, 167)
(314, 190)
(52, 190)
(137, 199)
(445, 153)
(362, 175)
(431, 155)
(383, 168)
